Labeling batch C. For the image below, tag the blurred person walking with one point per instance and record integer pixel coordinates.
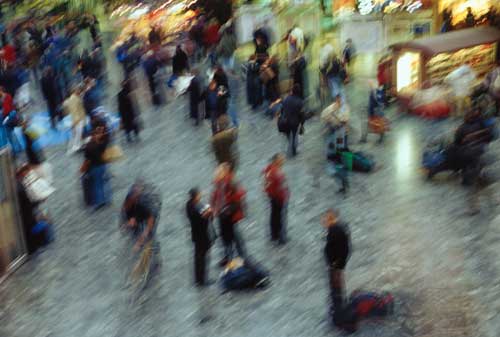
(275, 186)
(336, 118)
(128, 112)
(293, 118)
(348, 53)
(228, 204)
(224, 143)
(151, 66)
(461, 81)
(180, 62)
(73, 106)
(195, 94)
(95, 178)
(226, 47)
(51, 93)
(296, 61)
(337, 252)
(7, 102)
(140, 213)
(491, 84)
(202, 234)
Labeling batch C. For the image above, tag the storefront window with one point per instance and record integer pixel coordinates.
(408, 68)
(458, 8)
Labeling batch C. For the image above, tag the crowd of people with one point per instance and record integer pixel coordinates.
(73, 85)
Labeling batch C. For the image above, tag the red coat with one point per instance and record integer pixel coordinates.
(211, 35)
(226, 193)
(9, 54)
(275, 184)
(7, 105)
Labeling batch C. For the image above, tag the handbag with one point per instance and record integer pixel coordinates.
(301, 129)
(112, 154)
(37, 188)
(267, 74)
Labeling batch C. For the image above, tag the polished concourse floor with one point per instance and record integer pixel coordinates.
(410, 236)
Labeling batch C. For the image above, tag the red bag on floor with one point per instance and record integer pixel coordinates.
(438, 109)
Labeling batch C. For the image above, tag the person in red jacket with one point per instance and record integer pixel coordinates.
(228, 203)
(7, 102)
(276, 188)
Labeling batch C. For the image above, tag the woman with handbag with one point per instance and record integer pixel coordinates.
(95, 178)
(269, 74)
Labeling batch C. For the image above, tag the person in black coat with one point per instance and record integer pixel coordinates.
(293, 113)
(179, 62)
(254, 84)
(194, 90)
(199, 217)
(261, 41)
(51, 93)
(127, 111)
(151, 66)
(337, 252)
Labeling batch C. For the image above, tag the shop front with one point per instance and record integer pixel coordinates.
(12, 248)
(375, 24)
(428, 61)
(458, 9)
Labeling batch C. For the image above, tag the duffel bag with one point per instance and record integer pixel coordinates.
(247, 276)
(362, 162)
(371, 304)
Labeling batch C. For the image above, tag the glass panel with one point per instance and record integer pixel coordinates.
(11, 236)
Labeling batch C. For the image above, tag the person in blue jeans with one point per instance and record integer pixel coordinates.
(96, 178)
(212, 98)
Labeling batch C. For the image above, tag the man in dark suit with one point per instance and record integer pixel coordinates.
(199, 217)
(337, 252)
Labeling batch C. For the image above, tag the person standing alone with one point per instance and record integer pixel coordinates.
(337, 252)
(293, 115)
(199, 217)
(276, 189)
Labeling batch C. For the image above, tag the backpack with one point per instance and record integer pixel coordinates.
(283, 125)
